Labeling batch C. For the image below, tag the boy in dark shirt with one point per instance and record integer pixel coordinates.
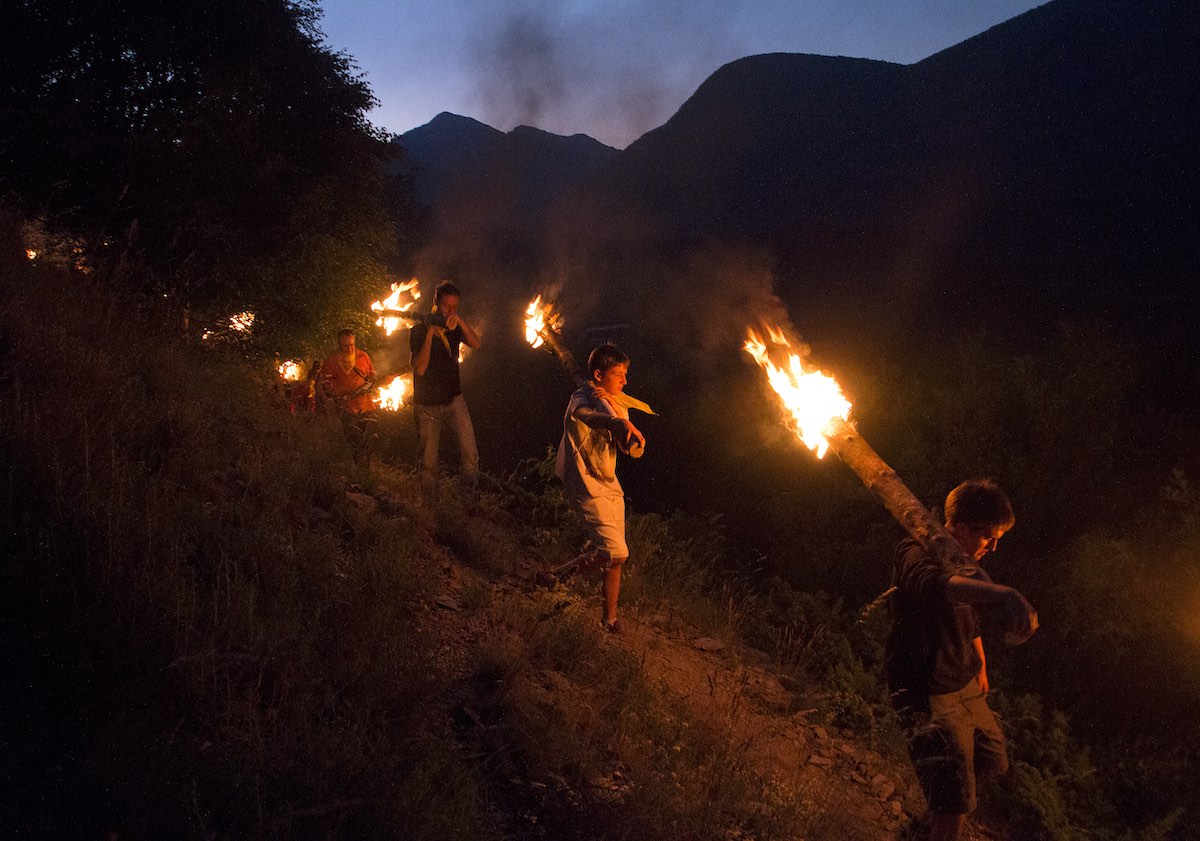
(437, 396)
(935, 661)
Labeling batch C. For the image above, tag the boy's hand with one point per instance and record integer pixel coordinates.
(632, 433)
(1021, 616)
(451, 321)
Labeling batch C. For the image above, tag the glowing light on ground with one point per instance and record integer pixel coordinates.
(812, 401)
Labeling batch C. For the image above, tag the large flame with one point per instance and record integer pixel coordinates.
(812, 400)
(392, 323)
(540, 318)
(394, 394)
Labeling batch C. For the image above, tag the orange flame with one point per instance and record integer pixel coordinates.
(242, 322)
(394, 394)
(813, 400)
(539, 318)
(392, 323)
(290, 371)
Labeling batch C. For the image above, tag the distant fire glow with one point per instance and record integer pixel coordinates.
(290, 371)
(403, 297)
(811, 399)
(242, 322)
(31, 253)
(539, 318)
(395, 393)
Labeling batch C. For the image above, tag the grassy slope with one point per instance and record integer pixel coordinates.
(211, 632)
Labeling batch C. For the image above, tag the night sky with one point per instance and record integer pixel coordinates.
(618, 68)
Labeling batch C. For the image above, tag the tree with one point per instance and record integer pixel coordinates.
(215, 153)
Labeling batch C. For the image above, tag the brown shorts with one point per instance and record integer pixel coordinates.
(953, 746)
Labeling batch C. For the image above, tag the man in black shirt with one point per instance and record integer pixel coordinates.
(437, 396)
(935, 662)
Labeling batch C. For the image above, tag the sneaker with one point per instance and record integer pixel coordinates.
(613, 627)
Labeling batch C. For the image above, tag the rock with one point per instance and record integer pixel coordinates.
(362, 501)
(821, 761)
(708, 644)
(820, 732)
(448, 602)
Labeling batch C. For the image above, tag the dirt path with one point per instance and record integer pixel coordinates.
(730, 688)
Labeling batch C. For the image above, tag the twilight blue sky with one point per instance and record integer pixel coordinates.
(613, 69)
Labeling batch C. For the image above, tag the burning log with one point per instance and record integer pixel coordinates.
(394, 307)
(819, 415)
(885, 483)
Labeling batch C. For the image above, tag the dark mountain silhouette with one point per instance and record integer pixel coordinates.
(1041, 169)
(481, 179)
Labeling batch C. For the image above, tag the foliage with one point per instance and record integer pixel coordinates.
(215, 156)
(203, 637)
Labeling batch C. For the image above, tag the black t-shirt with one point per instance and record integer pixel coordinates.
(439, 385)
(930, 650)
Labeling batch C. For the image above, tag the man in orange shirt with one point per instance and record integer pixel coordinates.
(347, 377)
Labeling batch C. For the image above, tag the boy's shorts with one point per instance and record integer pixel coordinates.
(604, 519)
(952, 746)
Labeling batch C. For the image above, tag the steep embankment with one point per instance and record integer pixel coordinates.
(702, 728)
(213, 627)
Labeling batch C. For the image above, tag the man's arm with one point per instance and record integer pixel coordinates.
(1022, 618)
(605, 419)
(470, 337)
(420, 360)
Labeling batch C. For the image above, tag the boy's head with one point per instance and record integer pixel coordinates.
(443, 289)
(978, 514)
(607, 367)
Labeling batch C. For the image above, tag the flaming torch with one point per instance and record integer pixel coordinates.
(819, 414)
(542, 324)
(395, 308)
(393, 395)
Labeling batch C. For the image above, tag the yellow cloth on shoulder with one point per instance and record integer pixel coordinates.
(629, 402)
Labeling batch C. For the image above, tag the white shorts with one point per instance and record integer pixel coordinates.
(604, 519)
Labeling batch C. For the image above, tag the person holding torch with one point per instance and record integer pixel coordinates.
(595, 425)
(934, 658)
(437, 393)
(347, 378)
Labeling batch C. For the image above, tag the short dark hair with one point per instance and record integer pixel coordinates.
(345, 334)
(443, 289)
(604, 357)
(979, 502)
